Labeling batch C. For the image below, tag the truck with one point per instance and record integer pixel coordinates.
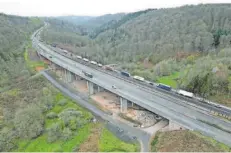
(125, 73)
(79, 57)
(138, 78)
(86, 60)
(93, 62)
(87, 74)
(100, 65)
(165, 87)
(185, 93)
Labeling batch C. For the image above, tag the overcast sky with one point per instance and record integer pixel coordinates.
(88, 7)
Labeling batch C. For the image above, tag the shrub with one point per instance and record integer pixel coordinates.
(7, 137)
(67, 133)
(73, 124)
(75, 149)
(29, 122)
(51, 115)
(54, 132)
(62, 102)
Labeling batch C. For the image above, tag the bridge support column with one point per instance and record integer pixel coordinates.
(90, 87)
(68, 77)
(123, 104)
(77, 77)
(53, 66)
(65, 75)
(100, 89)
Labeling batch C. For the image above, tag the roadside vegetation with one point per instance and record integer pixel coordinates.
(185, 141)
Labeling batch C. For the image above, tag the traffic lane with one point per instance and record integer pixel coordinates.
(141, 135)
(147, 96)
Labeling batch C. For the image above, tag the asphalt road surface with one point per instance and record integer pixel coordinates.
(141, 136)
(167, 107)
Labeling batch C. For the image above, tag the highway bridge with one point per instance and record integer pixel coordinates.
(176, 110)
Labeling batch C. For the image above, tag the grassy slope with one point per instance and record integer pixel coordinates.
(170, 80)
(185, 141)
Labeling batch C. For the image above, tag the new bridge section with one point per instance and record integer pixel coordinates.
(186, 116)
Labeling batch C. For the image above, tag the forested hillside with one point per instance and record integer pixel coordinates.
(91, 23)
(165, 45)
(14, 33)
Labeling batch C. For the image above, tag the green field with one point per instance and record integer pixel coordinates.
(170, 80)
(110, 143)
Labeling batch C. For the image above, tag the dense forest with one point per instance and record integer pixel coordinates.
(188, 44)
(91, 23)
(14, 34)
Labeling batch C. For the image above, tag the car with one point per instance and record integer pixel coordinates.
(126, 74)
(114, 87)
(135, 125)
